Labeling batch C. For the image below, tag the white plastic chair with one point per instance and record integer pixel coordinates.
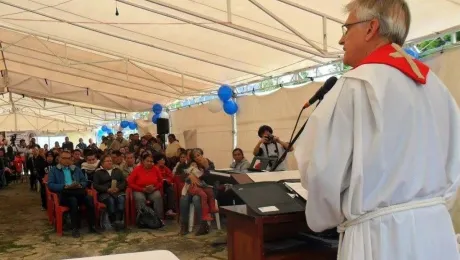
(191, 217)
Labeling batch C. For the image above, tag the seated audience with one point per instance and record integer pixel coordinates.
(129, 164)
(173, 146)
(69, 183)
(168, 179)
(110, 184)
(90, 166)
(119, 142)
(76, 158)
(81, 145)
(198, 186)
(103, 145)
(181, 166)
(240, 164)
(117, 159)
(146, 182)
(67, 145)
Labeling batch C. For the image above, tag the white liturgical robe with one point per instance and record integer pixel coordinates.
(380, 139)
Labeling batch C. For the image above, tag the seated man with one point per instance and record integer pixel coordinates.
(69, 183)
(128, 166)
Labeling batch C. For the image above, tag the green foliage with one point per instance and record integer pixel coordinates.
(268, 85)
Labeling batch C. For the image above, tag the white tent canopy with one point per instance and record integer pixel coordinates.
(157, 51)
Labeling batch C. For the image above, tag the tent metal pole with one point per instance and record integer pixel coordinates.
(13, 107)
(229, 11)
(107, 52)
(287, 26)
(91, 64)
(312, 11)
(89, 78)
(131, 40)
(324, 34)
(237, 27)
(266, 44)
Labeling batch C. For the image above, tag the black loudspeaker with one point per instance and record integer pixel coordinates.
(163, 126)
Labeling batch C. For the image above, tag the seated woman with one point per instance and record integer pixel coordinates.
(90, 166)
(204, 165)
(240, 164)
(110, 184)
(146, 182)
(168, 179)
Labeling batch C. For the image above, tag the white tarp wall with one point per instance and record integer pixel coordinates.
(446, 65)
(278, 110)
(213, 133)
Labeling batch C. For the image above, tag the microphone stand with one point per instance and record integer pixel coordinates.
(291, 143)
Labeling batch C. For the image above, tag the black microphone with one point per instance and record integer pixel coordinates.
(330, 82)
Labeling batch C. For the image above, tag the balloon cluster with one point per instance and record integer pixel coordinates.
(106, 129)
(225, 94)
(132, 125)
(412, 53)
(157, 109)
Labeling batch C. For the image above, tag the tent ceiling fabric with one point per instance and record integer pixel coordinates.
(157, 51)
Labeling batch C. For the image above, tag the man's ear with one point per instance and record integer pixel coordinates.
(372, 29)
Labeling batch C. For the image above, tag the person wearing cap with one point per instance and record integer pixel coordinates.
(271, 146)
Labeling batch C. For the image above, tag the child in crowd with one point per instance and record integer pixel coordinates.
(201, 189)
(18, 163)
(181, 166)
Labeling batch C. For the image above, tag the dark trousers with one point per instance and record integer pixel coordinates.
(170, 196)
(43, 194)
(73, 202)
(115, 207)
(33, 181)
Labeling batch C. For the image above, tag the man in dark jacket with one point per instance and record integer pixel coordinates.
(69, 183)
(67, 145)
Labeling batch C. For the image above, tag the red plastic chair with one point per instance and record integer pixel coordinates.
(49, 201)
(178, 186)
(100, 205)
(132, 206)
(58, 213)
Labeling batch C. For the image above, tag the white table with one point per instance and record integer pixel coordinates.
(274, 176)
(150, 255)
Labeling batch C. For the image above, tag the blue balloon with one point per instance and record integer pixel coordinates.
(412, 53)
(225, 92)
(230, 107)
(109, 131)
(132, 125)
(124, 124)
(157, 108)
(105, 128)
(155, 118)
(100, 133)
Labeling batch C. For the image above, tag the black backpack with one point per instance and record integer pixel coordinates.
(147, 218)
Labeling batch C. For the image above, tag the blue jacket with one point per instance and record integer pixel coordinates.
(56, 179)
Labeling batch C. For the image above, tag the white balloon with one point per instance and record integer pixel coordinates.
(215, 106)
(164, 114)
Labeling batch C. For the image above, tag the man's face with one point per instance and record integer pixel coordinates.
(65, 159)
(170, 139)
(266, 135)
(117, 159)
(355, 40)
(111, 136)
(91, 159)
(90, 141)
(130, 159)
(237, 156)
(49, 159)
(66, 139)
(136, 137)
(119, 136)
(32, 140)
(77, 155)
(35, 152)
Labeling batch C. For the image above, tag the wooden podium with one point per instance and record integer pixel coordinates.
(248, 234)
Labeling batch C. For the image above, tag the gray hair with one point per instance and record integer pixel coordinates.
(393, 15)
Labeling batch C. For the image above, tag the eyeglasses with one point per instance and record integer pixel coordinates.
(347, 26)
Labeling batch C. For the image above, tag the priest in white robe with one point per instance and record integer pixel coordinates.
(380, 156)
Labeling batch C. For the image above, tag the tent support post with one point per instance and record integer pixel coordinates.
(229, 11)
(324, 34)
(14, 111)
(454, 38)
(234, 130)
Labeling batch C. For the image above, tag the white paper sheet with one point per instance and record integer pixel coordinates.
(274, 176)
(297, 188)
(268, 209)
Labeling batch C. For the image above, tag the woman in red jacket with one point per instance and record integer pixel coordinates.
(168, 178)
(146, 182)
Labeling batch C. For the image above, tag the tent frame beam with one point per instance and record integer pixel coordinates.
(131, 40)
(242, 29)
(266, 44)
(287, 26)
(111, 53)
(91, 64)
